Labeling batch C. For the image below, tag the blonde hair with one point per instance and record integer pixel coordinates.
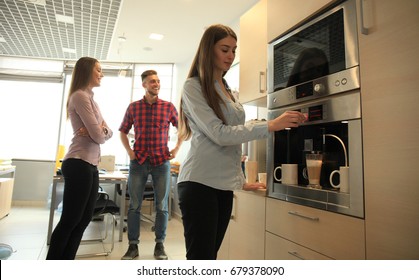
(203, 68)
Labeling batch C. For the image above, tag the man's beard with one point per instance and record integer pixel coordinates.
(153, 93)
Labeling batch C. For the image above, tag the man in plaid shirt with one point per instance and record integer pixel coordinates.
(150, 155)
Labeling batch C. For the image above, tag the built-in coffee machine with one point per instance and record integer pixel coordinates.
(333, 129)
(314, 69)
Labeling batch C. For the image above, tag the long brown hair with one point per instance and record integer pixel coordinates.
(203, 68)
(82, 74)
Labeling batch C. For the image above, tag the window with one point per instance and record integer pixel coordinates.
(29, 119)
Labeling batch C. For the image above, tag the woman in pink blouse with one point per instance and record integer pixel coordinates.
(79, 167)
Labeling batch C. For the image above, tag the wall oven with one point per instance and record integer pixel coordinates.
(315, 69)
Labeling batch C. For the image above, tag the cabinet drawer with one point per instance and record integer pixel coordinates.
(6, 191)
(334, 235)
(278, 248)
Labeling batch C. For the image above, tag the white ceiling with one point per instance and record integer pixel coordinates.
(30, 28)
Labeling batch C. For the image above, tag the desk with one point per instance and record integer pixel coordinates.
(115, 178)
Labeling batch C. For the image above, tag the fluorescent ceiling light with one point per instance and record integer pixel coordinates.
(155, 36)
(2, 40)
(67, 50)
(37, 2)
(65, 19)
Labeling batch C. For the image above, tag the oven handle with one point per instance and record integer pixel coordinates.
(295, 213)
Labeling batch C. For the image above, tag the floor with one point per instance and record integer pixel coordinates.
(25, 230)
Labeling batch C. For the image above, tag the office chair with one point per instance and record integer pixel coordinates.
(105, 211)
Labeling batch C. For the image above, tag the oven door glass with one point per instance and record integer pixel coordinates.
(310, 53)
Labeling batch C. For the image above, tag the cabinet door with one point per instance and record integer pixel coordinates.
(283, 15)
(253, 54)
(278, 248)
(334, 235)
(6, 191)
(389, 67)
(247, 227)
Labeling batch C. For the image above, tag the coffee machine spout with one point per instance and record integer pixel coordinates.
(341, 142)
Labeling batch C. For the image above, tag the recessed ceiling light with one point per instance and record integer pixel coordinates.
(67, 50)
(148, 49)
(65, 19)
(155, 36)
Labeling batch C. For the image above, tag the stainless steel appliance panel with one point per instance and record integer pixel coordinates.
(337, 83)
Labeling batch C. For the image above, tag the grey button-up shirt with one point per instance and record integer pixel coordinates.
(214, 158)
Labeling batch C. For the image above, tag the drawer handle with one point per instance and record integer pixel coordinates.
(295, 213)
(295, 254)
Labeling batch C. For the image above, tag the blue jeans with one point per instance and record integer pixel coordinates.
(137, 179)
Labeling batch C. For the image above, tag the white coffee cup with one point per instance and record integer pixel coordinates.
(262, 178)
(343, 179)
(289, 174)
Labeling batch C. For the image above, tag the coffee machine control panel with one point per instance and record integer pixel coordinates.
(344, 81)
(315, 113)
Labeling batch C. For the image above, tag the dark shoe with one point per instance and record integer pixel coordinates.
(132, 252)
(159, 252)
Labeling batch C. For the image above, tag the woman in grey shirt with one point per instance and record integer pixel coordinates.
(79, 168)
(214, 121)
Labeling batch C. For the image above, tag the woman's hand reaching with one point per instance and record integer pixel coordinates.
(287, 119)
(254, 186)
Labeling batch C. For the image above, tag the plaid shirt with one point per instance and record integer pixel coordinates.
(151, 127)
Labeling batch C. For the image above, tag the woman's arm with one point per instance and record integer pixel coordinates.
(84, 109)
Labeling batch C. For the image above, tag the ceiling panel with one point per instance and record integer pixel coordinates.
(58, 29)
(70, 29)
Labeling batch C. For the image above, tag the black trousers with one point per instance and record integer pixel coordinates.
(205, 215)
(81, 185)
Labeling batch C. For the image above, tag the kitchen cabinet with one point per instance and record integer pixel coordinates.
(253, 55)
(6, 190)
(245, 237)
(278, 248)
(300, 232)
(389, 66)
(283, 15)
